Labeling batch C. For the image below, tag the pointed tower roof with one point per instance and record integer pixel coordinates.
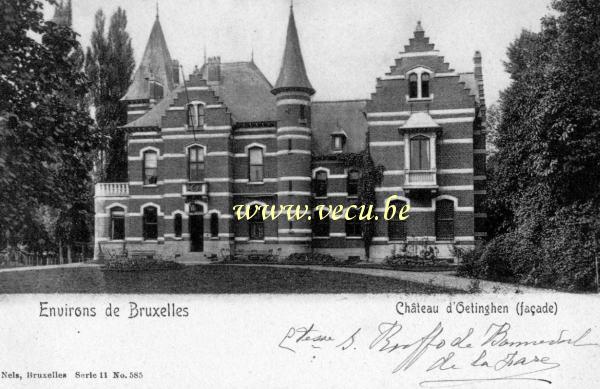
(293, 73)
(63, 14)
(156, 65)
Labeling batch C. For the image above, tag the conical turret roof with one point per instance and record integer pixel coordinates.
(293, 73)
(156, 65)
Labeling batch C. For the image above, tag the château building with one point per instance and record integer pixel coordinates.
(226, 136)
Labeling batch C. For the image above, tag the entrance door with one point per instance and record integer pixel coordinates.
(197, 232)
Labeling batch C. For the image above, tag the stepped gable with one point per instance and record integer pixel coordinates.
(153, 117)
(246, 92)
(419, 52)
(156, 63)
(329, 117)
(292, 75)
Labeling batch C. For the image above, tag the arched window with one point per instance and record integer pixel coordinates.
(444, 220)
(150, 168)
(413, 86)
(256, 224)
(195, 164)
(425, 85)
(320, 227)
(256, 165)
(419, 153)
(150, 223)
(320, 184)
(353, 227)
(397, 227)
(178, 225)
(352, 184)
(214, 225)
(195, 115)
(117, 223)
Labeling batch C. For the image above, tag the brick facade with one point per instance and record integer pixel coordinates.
(241, 111)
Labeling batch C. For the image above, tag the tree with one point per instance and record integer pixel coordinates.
(47, 136)
(545, 170)
(109, 65)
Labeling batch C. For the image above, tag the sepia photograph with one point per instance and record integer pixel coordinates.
(424, 158)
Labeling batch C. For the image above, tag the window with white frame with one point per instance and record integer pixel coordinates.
(150, 168)
(195, 114)
(255, 164)
(419, 81)
(150, 223)
(420, 158)
(320, 184)
(352, 183)
(196, 164)
(117, 223)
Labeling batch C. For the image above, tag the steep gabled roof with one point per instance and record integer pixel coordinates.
(156, 64)
(153, 117)
(292, 74)
(335, 117)
(246, 92)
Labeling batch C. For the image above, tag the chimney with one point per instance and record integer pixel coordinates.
(175, 67)
(478, 71)
(213, 66)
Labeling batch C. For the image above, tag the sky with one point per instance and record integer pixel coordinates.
(346, 44)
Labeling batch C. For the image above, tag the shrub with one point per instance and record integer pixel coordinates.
(129, 264)
(315, 259)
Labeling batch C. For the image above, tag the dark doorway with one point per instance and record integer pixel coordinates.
(196, 233)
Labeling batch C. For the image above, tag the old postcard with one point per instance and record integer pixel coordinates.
(307, 194)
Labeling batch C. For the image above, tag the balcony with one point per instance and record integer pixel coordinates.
(420, 180)
(112, 189)
(195, 189)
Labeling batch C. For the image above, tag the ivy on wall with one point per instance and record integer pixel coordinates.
(371, 176)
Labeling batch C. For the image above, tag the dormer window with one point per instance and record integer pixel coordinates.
(338, 141)
(419, 84)
(195, 114)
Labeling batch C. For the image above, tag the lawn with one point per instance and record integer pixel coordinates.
(205, 279)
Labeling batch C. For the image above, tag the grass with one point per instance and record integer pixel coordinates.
(205, 279)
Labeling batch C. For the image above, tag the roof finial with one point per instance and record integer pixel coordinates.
(419, 28)
(291, 4)
(156, 9)
(205, 53)
(252, 55)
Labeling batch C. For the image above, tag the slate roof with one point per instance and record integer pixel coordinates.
(246, 92)
(156, 62)
(292, 73)
(152, 118)
(420, 120)
(329, 117)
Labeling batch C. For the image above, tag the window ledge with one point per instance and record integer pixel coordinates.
(150, 240)
(320, 197)
(321, 237)
(177, 238)
(352, 196)
(117, 240)
(418, 99)
(354, 237)
(214, 238)
(256, 182)
(150, 185)
(255, 241)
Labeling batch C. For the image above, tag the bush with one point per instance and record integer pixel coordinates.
(318, 259)
(124, 265)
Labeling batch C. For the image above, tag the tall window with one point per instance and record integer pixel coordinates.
(196, 163)
(413, 86)
(150, 223)
(150, 169)
(302, 115)
(320, 184)
(352, 184)
(353, 224)
(178, 225)
(397, 227)
(444, 220)
(256, 225)
(419, 153)
(117, 223)
(214, 225)
(256, 166)
(195, 115)
(425, 85)
(320, 226)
